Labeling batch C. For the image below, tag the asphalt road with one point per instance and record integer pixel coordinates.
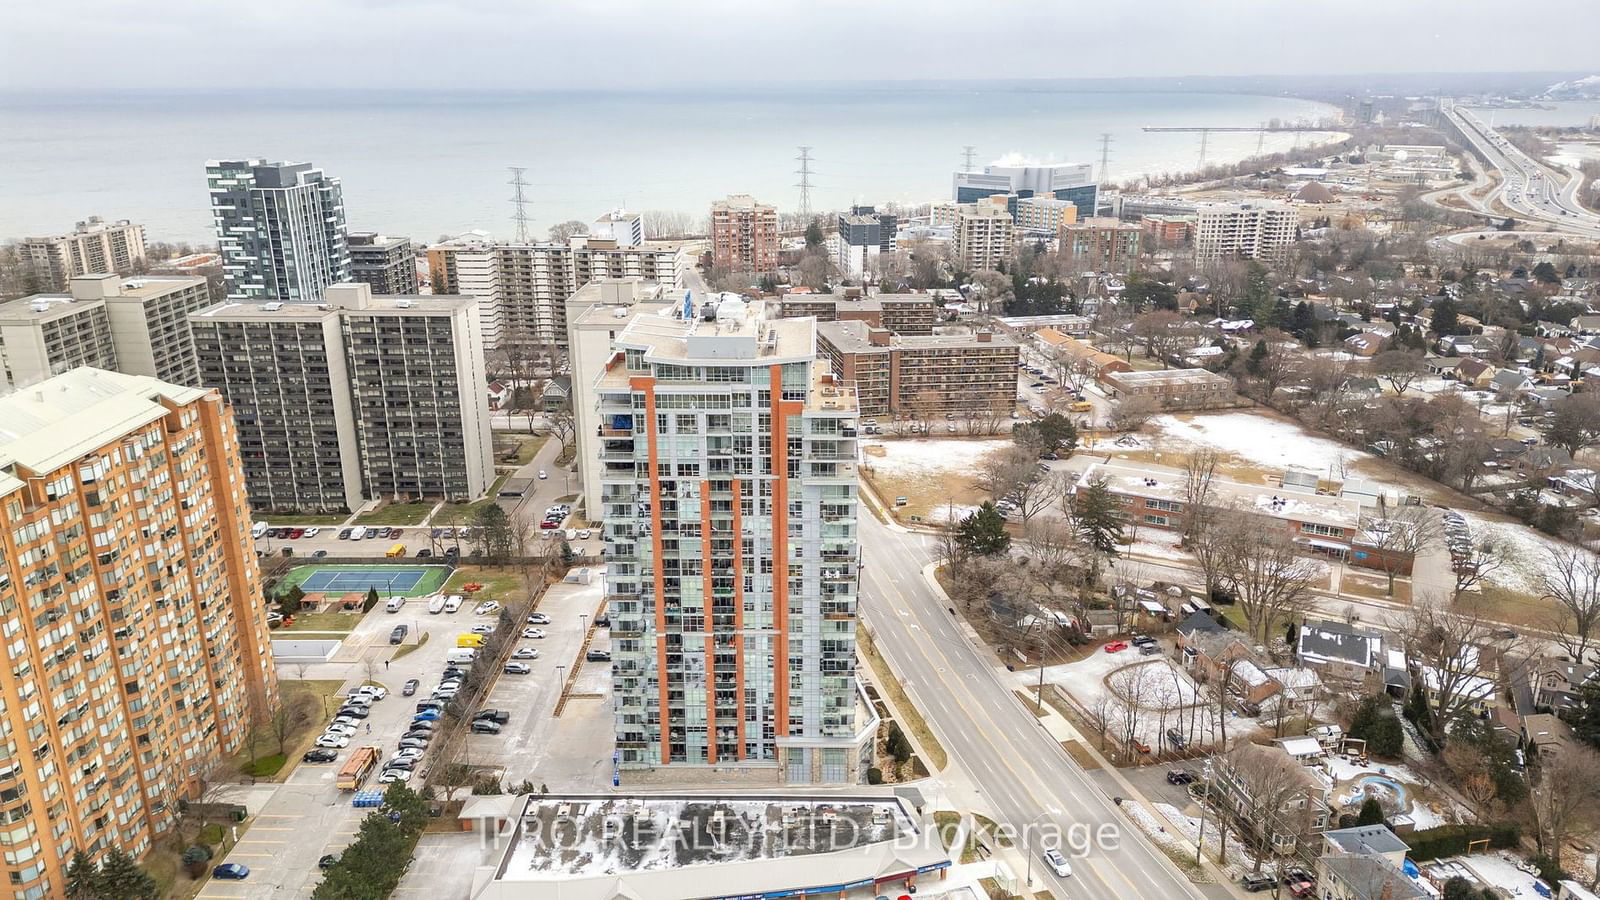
(1023, 776)
(1529, 188)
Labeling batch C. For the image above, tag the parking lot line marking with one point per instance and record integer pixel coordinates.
(250, 840)
(272, 828)
(253, 855)
(280, 815)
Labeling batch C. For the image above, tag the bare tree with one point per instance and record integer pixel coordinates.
(1399, 368)
(1271, 796)
(1199, 471)
(562, 424)
(1571, 577)
(1002, 472)
(1269, 578)
(1565, 798)
(1131, 413)
(1472, 777)
(1398, 536)
(1458, 661)
(1164, 334)
(1483, 559)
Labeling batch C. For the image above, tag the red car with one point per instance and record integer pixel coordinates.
(550, 523)
(1116, 646)
(297, 533)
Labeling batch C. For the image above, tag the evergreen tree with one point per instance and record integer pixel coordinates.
(372, 599)
(1371, 812)
(1054, 433)
(83, 879)
(983, 532)
(1545, 273)
(1098, 517)
(494, 532)
(1257, 292)
(1445, 317)
(121, 877)
(1417, 709)
(814, 237)
(1585, 721)
(1258, 356)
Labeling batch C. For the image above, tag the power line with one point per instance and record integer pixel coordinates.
(804, 159)
(1105, 154)
(1205, 134)
(968, 153)
(519, 203)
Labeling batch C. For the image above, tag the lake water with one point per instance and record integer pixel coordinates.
(426, 164)
(1563, 113)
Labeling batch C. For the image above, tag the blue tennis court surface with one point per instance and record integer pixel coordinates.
(391, 579)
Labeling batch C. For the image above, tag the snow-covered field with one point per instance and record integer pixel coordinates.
(1501, 871)
(1261, 440)
(1166, 698)
(1528, 551)
(1159, 543)
(925, 457)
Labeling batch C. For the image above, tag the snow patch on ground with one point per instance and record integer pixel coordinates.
(1529, 551)
(1238, 859)
(1260, 440)
(923, 457)
(1158, 543)
(1167, 698)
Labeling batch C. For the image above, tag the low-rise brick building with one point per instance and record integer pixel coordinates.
(900, 313)
(927, 375)
(1174, 388)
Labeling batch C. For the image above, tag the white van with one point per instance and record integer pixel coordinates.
(257, 530)
(461, 655)
(395, 604)
(357, 533)
(436, 604)
(453, 603)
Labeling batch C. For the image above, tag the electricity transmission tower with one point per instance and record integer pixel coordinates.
(519, 203)
(1105, 154)
(804, 159)
(968, 153)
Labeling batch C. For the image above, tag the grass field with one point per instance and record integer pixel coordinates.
(465, 513)
(398, 514)
(408, 579)
(337, 623)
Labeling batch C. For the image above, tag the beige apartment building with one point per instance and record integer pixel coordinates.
(137, 650)
(1045, 215)
(93, 246)
(138, 326)
(522, 288)
(1244, 230)
(922, 375)
(900, 313)
(359, 398)
(744, 235)
(1173, 388)
(984, 237)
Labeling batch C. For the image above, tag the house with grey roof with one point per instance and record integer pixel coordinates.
(1339, 651)
(1364, 863)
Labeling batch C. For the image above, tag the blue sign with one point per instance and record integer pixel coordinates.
(688, 305)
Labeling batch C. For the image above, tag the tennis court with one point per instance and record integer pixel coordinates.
(409, 581)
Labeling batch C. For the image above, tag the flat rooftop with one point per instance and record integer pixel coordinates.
(871, 302)
(1166, 483)
(731, 332)
(43, 308)
(853, 337)
(405, 304)
(1165, 376)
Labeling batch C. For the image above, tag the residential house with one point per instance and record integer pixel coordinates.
(1510, 382)
(1339, 652)
(1364, 877)
(1475, 373)
(1307, 751)
(1364, 345)
(1586, 324)
(1557, 684)
(1376, 841)
(1069, 350)
(1545, 734)
(499, 395)
(1543, 461)
(1443, 366)
(557, 393)
(1295, 823)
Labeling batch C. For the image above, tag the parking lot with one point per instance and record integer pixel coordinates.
(308, 816)
(526, 748)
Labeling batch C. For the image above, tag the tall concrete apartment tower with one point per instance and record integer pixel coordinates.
(93, 246)
(280, 228)
(729, 500)
(1244, 230)
(137, 649)
(389, 264)
(359, 398)
(744, 235)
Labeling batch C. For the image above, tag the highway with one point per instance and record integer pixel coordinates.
(1533, 191)
(1022, 775)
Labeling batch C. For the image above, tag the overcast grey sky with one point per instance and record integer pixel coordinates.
(523, 44)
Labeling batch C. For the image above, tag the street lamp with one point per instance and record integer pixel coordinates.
(1027, 845)
(583, 621)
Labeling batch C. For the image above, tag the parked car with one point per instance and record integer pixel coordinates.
(598, 656)
(517, 668)
(320, 755)
(319, 553)
(344, 534)
(414, 743)
(313, 532)
(525, 653)
(398, 633)
(375, 691)
(410, 688)
(538, 618)
(533, 634)
(354, 712)
(1257, 881)
(427, 715)
(333, 741)
(424, 552)
(231, 872)
(1116, 646)
(344, 728)
(391, 775)
(486, 608)
(1179, 776)
(407, 753)
(483, 628)
(485, 727)
(498, 716)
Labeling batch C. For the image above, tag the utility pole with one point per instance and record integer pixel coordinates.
(519, 203)
(968, 152)
(804, 159)
(1261, 138)
(1105, 154)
